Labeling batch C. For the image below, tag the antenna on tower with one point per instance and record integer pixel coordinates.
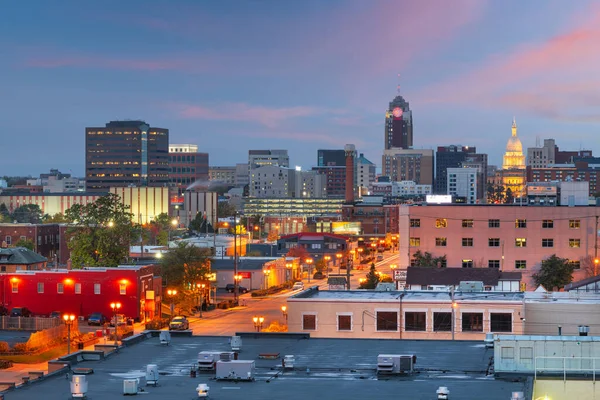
(398, 86)
(537, 141)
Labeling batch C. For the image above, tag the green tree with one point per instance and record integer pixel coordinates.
(554, 273)
(321, 265)
(57, 218)
(225, 209)
(185, 265)
(372, 279)
(28, 213)
(28, 244)
(509, 198)
(4, 214)
(200, 224)
(495, 193)
(427, 259)
(101, 233)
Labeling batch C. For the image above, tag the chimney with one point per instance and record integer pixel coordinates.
(350, 153)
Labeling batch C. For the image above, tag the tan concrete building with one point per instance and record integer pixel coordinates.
(145, 203)
(49, 203)
(404, 315)
(408, 165)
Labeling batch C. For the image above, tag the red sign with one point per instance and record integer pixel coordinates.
(245, 275)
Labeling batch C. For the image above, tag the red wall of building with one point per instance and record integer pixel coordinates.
(138, 284)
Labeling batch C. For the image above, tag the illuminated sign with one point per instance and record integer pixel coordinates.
(245, 275)
(438, 198)
(400, 275)
(346, 228)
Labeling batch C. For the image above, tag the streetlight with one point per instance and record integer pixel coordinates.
(288, 267)
(360, 251)
(267, 272)
(284, 311)
(327, 258)
(258, 322)
(116, 307)
(111, 224)
(200, 287)
(339, 258)
(174, 223)
(362, 280)
(309, 261)
(172, 293)
(69, 320)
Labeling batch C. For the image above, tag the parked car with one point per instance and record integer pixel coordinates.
(380, 258)
(97, 319)
(21, 312)
(179, 323)
(230, 288)
(118, 319)
(298, 286)
(55, 314)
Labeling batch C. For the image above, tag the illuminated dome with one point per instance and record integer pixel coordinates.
(513, 157)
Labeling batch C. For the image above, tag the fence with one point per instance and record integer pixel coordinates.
(38, 339)
(566, 365)
(28, 324)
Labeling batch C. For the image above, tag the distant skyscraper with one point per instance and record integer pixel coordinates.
(408, 165)
(187, 165)
(126, 153)
(448, 157)
(262, 158)
(331, 158)
(398, 125)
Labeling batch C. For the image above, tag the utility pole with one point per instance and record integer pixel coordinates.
(453, 306)
(235, 262)
(596, 248)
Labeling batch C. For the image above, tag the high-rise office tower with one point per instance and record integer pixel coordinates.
(331, 158)
(125, 153)
(187, 165)
(398, 125)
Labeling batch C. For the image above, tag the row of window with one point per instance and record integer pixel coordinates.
(494, 242)
(494, 223)
(60, 288)
(46, 239)
(387, 321)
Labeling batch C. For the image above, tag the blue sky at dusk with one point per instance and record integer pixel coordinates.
(299, 75)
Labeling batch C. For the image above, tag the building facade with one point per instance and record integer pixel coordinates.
(398, 125)
(513, 173)
(49, 203)
(448, 157)
(226, 175)
(49, 240)
(145, 203)
(124, 153)
(578, 171)
(462, 183)
(333, 158)
(21, 259)
(335, 180)
(187, 165)
(263, 158)
(409, 165)
(301, 207)
(366, 173)
(375, 218)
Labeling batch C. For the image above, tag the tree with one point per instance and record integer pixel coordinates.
(225, 209)
(495, 193)
(200, 224)
(509, 198)
(554, 273)
(28, 244)
(185, 265)
(28, 214)
(588, 265)
(101, 233)
(57, 218)
(4, 213)
(427, 260)
(299, 252)
(272, 236)
(372, 279)
(321, 265)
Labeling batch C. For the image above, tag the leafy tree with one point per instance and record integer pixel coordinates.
(495, 193)
(272, 236)
(321, 265)
(28, 213)
(102, 232)
(200, 224)
(299, 252)
(28, 244)
(588, 265)
(225, 209)
(57, 218)
(4, 213)
(554, 273)
(372, 279)
(427, 259)
(509, 198)
(185, 265)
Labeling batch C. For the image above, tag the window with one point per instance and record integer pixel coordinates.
(8, 240)
(122, 288)
(520, 264)
(78, 288)
(441, 223)
(467, 263)
(442, 322)
(15, 287)
(575, 243)
(521, 223)
(501, 322)
(415, 223)
(526, 353)
(467, 223)
(575, 264)
(309, 322)
(387, 321)
(344, 322)
(440, 241)
(60, 288)
(494, 242)
(574, 223)
(415, 321)
(547, 242)
(493, 223)
(521, 242)
(507, 353)
(493, 263)
(548, 223)
(96, 288)
(467, 242)
(315, 246)
(40, 287)
(472, 322)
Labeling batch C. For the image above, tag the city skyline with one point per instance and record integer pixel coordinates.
(297, 76)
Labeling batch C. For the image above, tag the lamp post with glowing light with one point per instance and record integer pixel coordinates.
(69, 320)
(172, 293)
(115, 308)
(258, 322)
(327, 259)
(360, 251)
(309, 261)
(284, 311)
(174, 223)
(339, 262)
(267, 272)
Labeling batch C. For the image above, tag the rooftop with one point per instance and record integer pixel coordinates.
(453, 276)
(20, 255)
(330, 368)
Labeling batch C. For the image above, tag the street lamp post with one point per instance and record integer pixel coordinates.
(309, 261)
(235, 259)
(116, 307)
(327, 259)
(267, 272)
(284, 311)
(200, 287)
(258, 322)
(172, 293)
(173, 225)
(69, 319)
(339, 261)
(288, 268)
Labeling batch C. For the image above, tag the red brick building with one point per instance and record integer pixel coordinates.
(579, 171)
(20, 259)
(376, 219)
(48, 239)
(187, 165)
(85, 291)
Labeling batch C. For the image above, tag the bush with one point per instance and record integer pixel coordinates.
(5, 364)
(276, 327)
(157, 323)
(4, 347)
(20, 348)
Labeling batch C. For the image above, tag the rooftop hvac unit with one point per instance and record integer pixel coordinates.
(395, 364)
(79, 386)
(289, 361)
(470, 286)
(236, 343)
(584, 330)
(442, 393)
(130, 387)
(202, 390)
(235, 370)
(517, 396)
(152, 374)
(165, 338)
(207, 359)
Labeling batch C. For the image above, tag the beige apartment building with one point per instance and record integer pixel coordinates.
(507, 237)
(404, 315)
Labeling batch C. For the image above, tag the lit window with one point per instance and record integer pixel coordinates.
(440, 241)
(467, 223)
(574, 223)
(521, 223)
(521, 242)
(467, 263)
(122, 288)
(15, 287)
(441, 223)
(575, 243)
(520, 264)
(415, 241)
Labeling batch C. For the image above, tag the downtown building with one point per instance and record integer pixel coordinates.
(458, 156)
(187, 166)
(125, 153)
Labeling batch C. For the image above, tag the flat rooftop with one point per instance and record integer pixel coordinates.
(313, 293)
(326, 368)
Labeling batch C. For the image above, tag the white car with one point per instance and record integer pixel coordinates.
(298, 286)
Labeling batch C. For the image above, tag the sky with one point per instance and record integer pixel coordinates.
(232, 76)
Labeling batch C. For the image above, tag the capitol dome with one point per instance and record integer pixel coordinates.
(513, 157)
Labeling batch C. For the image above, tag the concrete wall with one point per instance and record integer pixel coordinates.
(145, 203)
(566, 390)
